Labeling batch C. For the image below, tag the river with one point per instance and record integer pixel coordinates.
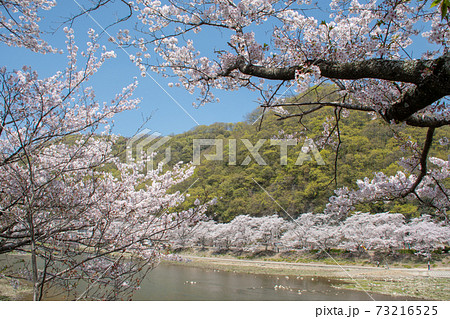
(182, 282)
(177, 282)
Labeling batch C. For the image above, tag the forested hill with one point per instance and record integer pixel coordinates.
(367, 146)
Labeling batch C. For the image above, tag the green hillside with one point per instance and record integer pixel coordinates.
(367, 146)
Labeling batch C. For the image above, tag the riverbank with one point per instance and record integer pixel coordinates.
(417, 283)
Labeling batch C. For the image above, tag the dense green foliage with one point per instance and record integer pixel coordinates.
(367, 146)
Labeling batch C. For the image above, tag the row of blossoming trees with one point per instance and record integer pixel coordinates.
(383, 232)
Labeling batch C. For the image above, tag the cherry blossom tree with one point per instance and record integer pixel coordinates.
(223, 236)
(297, 232)
(323, 237)
(188, 233)
(203, 233)
(372, 231)
(245, 231)
(270, 230)
(423, 234)
(361, 45)
(66, 200)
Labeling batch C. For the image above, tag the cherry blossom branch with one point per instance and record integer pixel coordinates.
(423, 162)
(429, 88)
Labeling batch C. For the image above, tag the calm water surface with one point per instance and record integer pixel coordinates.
(182, 282)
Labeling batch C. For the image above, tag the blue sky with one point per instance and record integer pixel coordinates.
(167, 116)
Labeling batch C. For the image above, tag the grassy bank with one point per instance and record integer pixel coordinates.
(412, 280)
